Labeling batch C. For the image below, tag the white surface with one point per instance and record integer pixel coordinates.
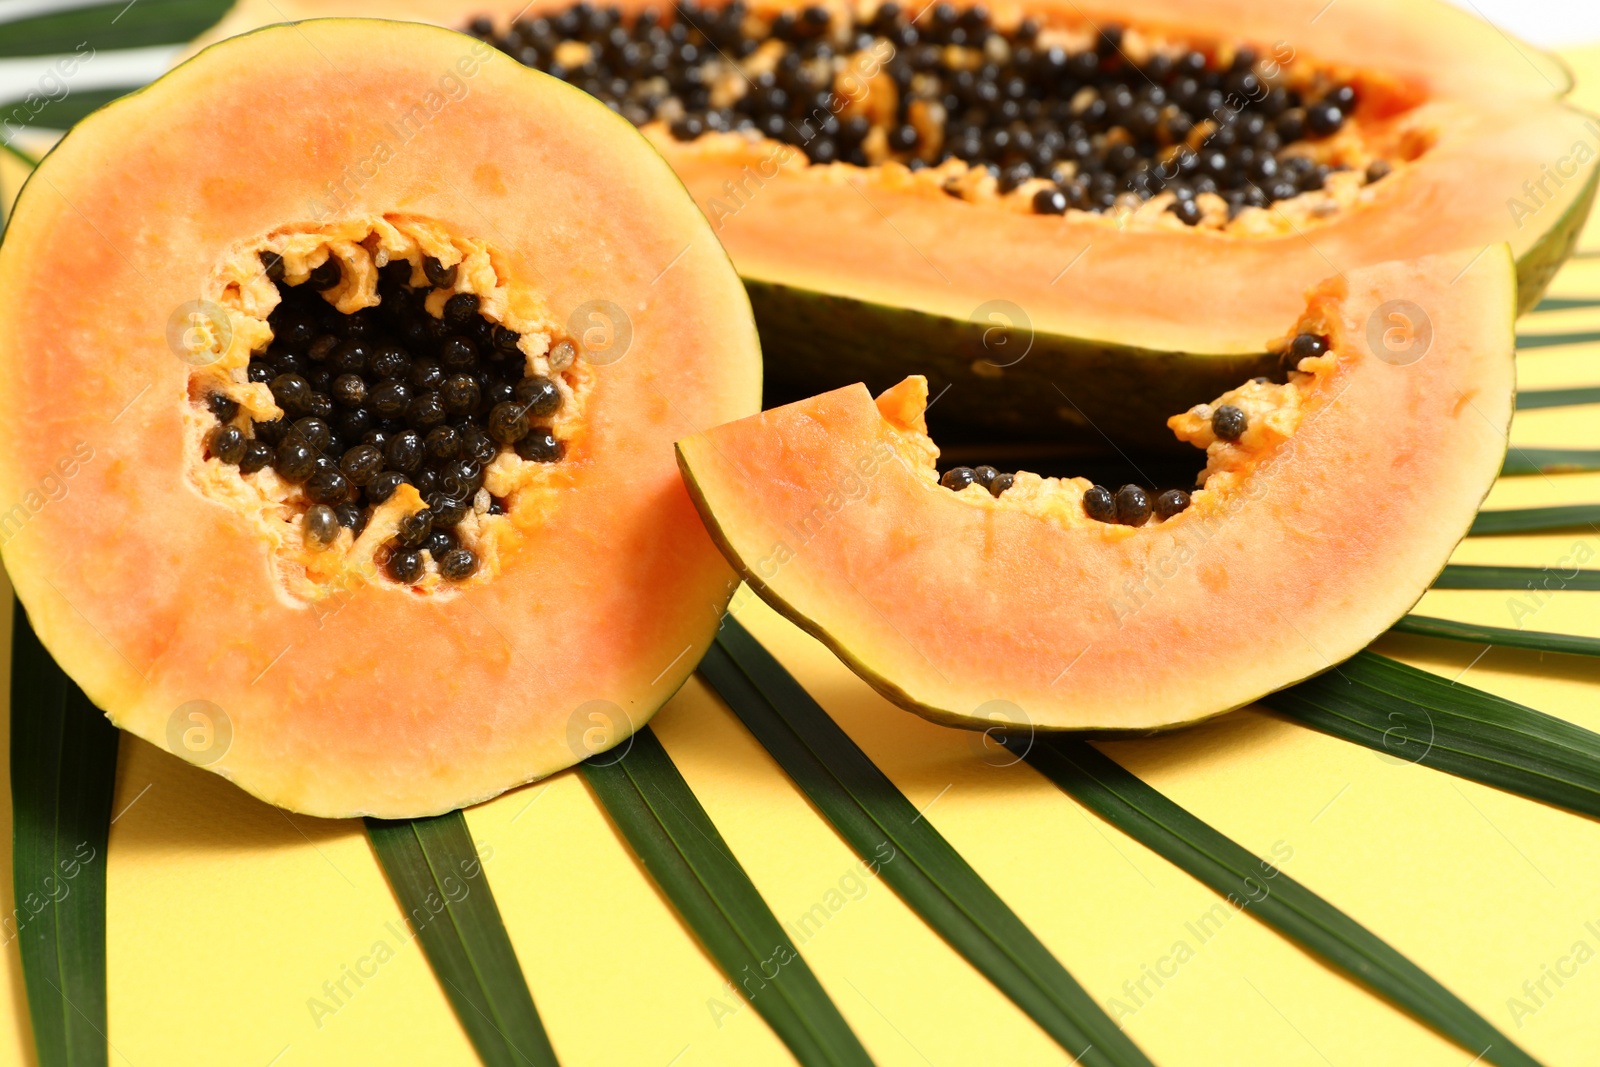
(1548, 23)
(16, 9)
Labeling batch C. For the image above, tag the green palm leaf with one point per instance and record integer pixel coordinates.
(886, 830)
(1531, 399)
(1567, 303)
(63, 113)
(434, 869)
(1521, 461)
(1548, 579)
(678, 844)
(18, 154)
(63, 775)
(1551, 340)
(118, 24)
(1535, 520)
(1391, 707)
(1506, 636)
(1250, 883)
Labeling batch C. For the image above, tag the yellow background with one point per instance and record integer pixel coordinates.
(227, 916)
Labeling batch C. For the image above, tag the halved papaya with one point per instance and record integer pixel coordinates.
(1083, 215)
(345, 365)
(1327, 505)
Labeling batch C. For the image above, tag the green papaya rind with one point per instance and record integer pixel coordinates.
(1063, 387)
(1538, 265)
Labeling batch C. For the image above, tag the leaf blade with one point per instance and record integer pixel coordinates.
(464, 939)
(18, 154)
(1534, 520)
(1524, 461)
(1504, 636)
(63, 776)
(1389, 706)
(1552, 340)
(118, 24)
(867, 809)
(665, 825)
(1547, 579)
(63, 115)
(1566, 303)
(1133, 806)
(1534, 399)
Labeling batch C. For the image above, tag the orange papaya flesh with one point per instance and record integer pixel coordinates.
(141, 272)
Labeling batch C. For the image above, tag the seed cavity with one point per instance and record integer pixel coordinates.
(391, 390)
(1131, 505)
(378, 397)
(1063, 119)
(1236, 430)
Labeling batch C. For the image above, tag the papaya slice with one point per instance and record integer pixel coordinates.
(1126, 196)
(340, 419)
(1327, 504)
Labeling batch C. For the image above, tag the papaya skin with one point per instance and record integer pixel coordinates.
(1067, 388)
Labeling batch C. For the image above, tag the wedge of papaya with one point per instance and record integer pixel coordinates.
(1326, 507)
